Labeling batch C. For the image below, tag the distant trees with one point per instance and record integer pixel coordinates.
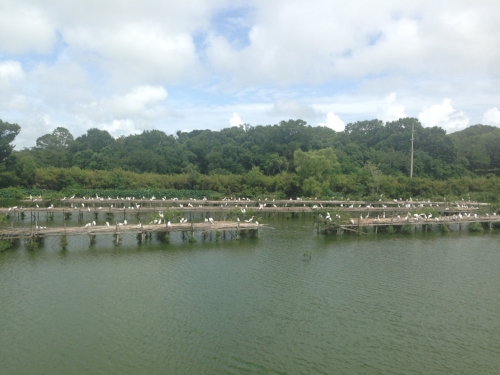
(302, 159)
(8, 133)
(53, 149)
(315, 170)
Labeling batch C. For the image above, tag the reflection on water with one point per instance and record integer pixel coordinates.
(362, 305)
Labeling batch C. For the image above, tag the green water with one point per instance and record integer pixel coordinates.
(417, 304)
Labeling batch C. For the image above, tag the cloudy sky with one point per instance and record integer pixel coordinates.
(125, 66)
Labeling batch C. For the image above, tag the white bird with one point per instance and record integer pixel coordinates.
(107, 223)
(124, 222)
(169, 224)
(93, 222)
(211, 220)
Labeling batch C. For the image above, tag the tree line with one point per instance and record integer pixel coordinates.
(291, 158)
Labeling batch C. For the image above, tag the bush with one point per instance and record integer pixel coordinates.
(4, 245)
(407, 229)
(444, 228)
(476, 227)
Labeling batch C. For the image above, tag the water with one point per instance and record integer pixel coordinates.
(418, 304)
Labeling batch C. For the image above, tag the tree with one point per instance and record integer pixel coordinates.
(375, 172)
(94, 140)
(8, 132)
(53, 149)
(315, 169)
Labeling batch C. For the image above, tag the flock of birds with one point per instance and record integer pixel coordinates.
(408, 204)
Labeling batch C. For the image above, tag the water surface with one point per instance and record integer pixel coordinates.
(418, 304)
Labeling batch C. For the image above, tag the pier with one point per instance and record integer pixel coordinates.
(233, 230)
(360, 225)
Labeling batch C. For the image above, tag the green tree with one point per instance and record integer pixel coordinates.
(8, 132)
(53, 149)
(375, 172)
(315, 169)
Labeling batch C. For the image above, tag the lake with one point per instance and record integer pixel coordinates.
(377, 304)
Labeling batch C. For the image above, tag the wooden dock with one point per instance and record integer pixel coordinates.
(358, 225)
(79, 206)
(233, 228)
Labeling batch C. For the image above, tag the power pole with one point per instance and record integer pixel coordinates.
(411, 162)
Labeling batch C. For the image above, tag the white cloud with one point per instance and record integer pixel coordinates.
(139, 101)
(112, 64)
(292, 108)
(25, 28)
(235, 120)
(334, 122)
(492, 117)
(127, 113)
(390, 110)
(336, 41)
(444, 116)
(138, 52)
(11, 76)
(11, 70)
(118, 127)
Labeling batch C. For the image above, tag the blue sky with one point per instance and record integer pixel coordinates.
(209, 64)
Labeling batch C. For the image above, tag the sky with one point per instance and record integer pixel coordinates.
(128, 66)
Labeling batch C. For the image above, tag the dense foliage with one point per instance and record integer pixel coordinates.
(289, 159)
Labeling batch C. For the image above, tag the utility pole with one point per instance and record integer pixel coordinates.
(411, 162)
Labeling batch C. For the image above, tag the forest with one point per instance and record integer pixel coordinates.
(289, 159)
